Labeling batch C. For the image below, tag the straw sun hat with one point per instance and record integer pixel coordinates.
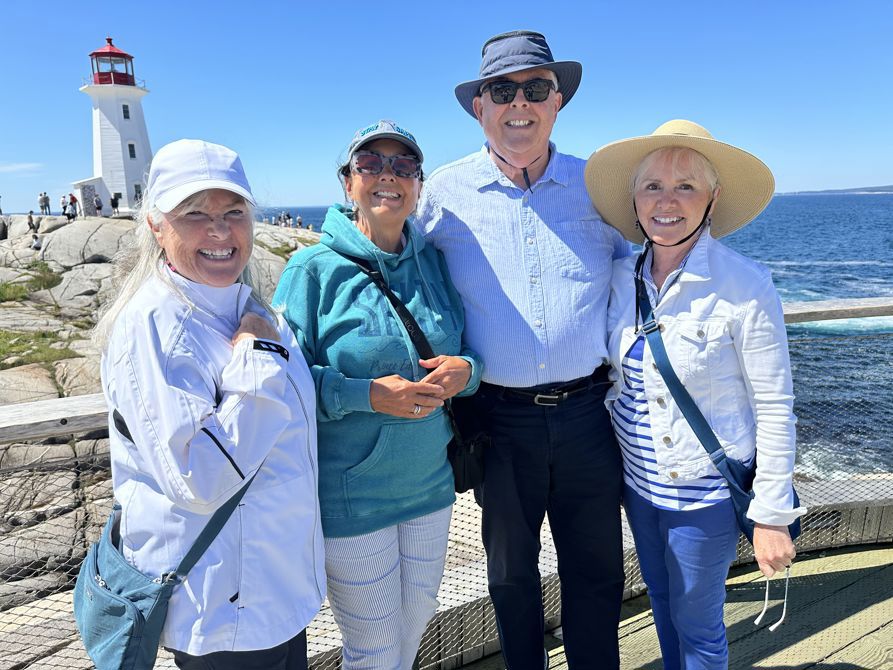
(747, 184)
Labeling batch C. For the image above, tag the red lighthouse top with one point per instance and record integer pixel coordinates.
(111, 65)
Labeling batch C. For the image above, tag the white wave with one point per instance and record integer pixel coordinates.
(808, 264)
(868, 325)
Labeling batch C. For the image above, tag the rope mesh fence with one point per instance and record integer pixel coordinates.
(55, 497)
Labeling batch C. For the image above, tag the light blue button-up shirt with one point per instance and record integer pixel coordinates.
(533, 267)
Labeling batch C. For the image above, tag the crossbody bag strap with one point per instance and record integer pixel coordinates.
(212, 529)
(419, 341)
(683, 399)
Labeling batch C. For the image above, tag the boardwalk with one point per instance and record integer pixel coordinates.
(840, 617)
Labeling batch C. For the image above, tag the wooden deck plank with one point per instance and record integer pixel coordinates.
(828, 626)
(840, 615)
(871, 652)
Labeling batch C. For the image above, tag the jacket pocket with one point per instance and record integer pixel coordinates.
(701, 344)
(408, 459)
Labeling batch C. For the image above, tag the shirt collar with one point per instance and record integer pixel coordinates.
(227, 302)
(486, 171)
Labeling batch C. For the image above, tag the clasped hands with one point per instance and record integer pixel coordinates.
(397, 396)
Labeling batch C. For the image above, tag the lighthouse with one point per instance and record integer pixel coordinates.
(121, 151)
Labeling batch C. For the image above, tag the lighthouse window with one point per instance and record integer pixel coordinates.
(131, 148)
(126, 110)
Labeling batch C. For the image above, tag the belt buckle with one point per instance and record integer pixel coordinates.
(548, 399)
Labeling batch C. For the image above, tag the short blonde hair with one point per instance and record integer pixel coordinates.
(685, 163)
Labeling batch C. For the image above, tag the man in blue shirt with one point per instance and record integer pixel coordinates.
(532, 261)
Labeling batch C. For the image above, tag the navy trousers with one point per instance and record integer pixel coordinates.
(562, 461)
(290, 655)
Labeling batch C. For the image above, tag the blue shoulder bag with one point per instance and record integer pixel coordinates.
(119, 611)
(739, 476)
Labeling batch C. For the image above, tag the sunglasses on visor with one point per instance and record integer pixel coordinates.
(372, 162)
(535, 90)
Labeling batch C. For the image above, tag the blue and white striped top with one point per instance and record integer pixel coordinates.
(629, 414)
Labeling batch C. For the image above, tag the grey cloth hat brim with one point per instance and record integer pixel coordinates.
(568, 72)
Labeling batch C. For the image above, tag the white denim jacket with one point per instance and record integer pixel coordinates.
(203, 416)
(723, 328)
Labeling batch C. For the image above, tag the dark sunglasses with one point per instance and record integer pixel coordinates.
(372, 162)
(535, 90)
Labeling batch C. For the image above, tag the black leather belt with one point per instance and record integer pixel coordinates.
(550, 395)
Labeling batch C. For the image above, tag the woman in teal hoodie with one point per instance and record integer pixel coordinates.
(385, 485)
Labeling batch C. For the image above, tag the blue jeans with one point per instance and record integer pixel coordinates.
(685, 559)
(290, 655)
(562, 461)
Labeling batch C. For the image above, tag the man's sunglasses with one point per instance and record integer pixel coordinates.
(372, 162)
(535, 90)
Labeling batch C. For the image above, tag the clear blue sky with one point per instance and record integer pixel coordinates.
(805, 85)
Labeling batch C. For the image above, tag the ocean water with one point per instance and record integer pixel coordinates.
(822, 247)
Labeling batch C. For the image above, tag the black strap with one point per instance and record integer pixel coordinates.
(419, 341)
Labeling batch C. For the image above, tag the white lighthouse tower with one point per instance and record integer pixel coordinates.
(121, 151)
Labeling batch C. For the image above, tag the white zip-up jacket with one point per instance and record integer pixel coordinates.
(203, 416)
(723, 327)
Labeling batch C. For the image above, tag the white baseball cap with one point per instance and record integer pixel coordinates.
(185, 167)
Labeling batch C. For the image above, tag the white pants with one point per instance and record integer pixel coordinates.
(383, 590)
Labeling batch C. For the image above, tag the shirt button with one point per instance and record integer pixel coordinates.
(667, 440)
(674, 474)
(662, 403)
(538, 323)
(533, 280)
(701, 334)
(542, 366)
(661, 328)
(529, 240)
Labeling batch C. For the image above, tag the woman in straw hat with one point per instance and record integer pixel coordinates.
(677, 191)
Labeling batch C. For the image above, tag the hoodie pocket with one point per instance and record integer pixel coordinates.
(408, 459)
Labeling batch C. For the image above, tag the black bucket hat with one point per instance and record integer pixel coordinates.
(517, 51)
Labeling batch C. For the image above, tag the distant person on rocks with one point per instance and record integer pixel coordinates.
(386, 487)
(72, 207)
(63, 203)
(207, 389)
(113, 201)
(97, 204)
(4, 228)
(32, 224)
(35, 242)
(299, 221)
(677, 191)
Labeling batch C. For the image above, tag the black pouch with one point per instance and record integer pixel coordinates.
(466, 450)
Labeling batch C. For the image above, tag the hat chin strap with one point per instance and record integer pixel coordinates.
(523, 169)
(704, 221)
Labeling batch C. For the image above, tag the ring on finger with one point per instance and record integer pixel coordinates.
(416, 409)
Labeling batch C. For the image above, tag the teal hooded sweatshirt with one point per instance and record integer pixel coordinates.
(375, 470)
